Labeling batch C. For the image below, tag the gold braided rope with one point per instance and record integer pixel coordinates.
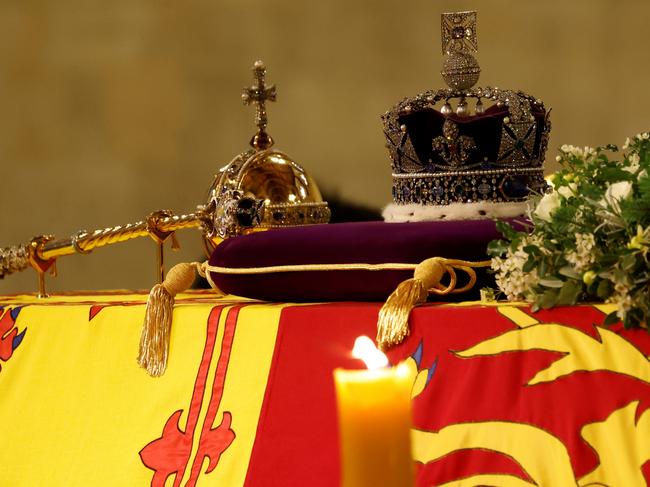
(448, 264)
(310, 267)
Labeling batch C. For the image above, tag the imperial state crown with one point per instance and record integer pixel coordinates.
(464, 152)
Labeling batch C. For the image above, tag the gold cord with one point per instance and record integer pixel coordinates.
(309, 267)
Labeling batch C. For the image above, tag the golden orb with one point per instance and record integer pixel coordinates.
(262, 189)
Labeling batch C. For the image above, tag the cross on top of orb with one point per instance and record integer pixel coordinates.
(258, 94)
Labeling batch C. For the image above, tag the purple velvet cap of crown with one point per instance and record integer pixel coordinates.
(485, 130)
(367, 242)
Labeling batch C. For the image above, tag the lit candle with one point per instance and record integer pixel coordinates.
(374, 408)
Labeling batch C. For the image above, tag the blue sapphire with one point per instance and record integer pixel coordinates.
(405, 192)
(515, 187)
(439, 191)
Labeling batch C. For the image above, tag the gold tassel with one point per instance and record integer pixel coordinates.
(393, 321)
(156, 331)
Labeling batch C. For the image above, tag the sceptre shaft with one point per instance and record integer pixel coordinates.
(42, 251)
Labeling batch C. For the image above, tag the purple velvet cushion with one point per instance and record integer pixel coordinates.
(367, 242)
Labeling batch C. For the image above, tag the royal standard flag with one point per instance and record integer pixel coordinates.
(501, 396)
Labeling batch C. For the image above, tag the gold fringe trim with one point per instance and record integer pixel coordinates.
(156, 330)
(392, 323)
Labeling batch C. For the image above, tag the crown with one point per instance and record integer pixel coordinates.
(464, 151)
(263, 188)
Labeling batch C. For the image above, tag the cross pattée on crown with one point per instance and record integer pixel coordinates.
(258, 94)
(459, 32)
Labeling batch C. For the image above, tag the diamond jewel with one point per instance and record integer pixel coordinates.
(484, 188)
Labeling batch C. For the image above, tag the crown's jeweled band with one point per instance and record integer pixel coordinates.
(481, 172)
(498, 185)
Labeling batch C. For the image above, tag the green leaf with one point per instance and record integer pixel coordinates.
(620, 276)
(611, 319)
(570, 272)
(614, 173)
(496, 248)
(569, 293)
(548, 299)
(551, 282)
(532, 250)
(530, 264)
(608, 260)
(506, 230)
(488, 294)
(604, 289)
(591, 192)
(628, 262)
(543, 268)
(634, 318)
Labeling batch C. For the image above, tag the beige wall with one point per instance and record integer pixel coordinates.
(110, 110)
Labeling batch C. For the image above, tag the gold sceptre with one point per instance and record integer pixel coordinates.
(42, 251)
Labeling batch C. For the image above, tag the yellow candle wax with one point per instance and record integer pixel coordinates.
(374, 410)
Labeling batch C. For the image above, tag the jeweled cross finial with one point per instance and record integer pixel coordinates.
(259, 94)
(460, 69)
(459, 32)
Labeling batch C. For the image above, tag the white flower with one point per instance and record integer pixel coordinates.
(583, 256)
(567, 191)
(622, 299)
(585, 153)
(509, 276)
(639, 137)
(634, 161)
(616, 193)
(547, 205)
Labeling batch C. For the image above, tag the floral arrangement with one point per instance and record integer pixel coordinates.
(590, 236)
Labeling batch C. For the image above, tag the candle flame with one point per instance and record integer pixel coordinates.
(364, 349)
